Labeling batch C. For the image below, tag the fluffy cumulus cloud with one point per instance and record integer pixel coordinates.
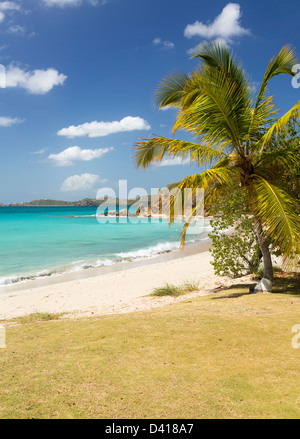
(36, 81)
(224, 28)
(163, 44)
(81, 183)
(75, 154)
(9, 121)
(101, 129)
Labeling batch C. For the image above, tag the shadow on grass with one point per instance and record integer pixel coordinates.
(239, 291)
(284, 283)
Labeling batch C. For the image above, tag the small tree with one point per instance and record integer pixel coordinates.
(235, 250)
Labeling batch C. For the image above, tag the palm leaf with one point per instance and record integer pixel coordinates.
(149, 150)
(279, 125)
(273, 161)
(219, 173)
(215, 99)
(171, 90)
(282, 63)
(276, 211)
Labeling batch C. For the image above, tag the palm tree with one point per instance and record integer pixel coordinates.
(233, 128)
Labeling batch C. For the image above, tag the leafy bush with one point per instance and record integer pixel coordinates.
(235, 248)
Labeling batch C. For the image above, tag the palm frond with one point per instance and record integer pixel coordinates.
(216, 57)
(171, 90)
(278, 126)
(282, 63)
(275, 160)
(220, 173)
(276, 211)
(152, 150)
(187, 225)
(215, 115)
(262, 117)
(214, 100)
(211, 181)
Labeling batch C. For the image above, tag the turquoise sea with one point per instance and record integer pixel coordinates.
(44, 241)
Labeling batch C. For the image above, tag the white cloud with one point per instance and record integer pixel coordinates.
(76, 154)
(7, 7)
(63, 3)
(40, 152)
(36, 81)
(9, 121)
(163, 44)
(81, 183)
(101, 129)
(167, 107)
(225, 26)
(176, 161)
(156, 41)
(17, 29)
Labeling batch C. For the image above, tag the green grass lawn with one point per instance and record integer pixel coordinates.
(227, 355)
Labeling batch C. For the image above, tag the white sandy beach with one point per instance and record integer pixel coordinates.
(113, 292)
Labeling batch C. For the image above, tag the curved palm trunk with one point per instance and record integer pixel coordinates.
(266, 283)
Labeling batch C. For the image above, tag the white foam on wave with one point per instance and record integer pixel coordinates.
(73, 268)
(9, 280)
(149, 252)
(82, 216)
(94, 264)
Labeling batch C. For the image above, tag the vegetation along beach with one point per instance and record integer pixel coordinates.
(149, 213)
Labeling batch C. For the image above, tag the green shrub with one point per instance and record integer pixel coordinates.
(235, 248)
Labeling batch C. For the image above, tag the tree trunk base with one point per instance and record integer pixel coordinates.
(265, 285)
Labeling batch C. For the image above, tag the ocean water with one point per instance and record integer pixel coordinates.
(44, 241)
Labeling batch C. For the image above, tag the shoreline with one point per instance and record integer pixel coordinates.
(116, 289)
(91, 271)
(68, 264)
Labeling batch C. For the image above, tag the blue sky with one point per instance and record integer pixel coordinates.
(80, 78)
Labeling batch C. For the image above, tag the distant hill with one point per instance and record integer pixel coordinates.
(84, 202)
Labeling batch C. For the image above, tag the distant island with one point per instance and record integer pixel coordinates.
(84, 202)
